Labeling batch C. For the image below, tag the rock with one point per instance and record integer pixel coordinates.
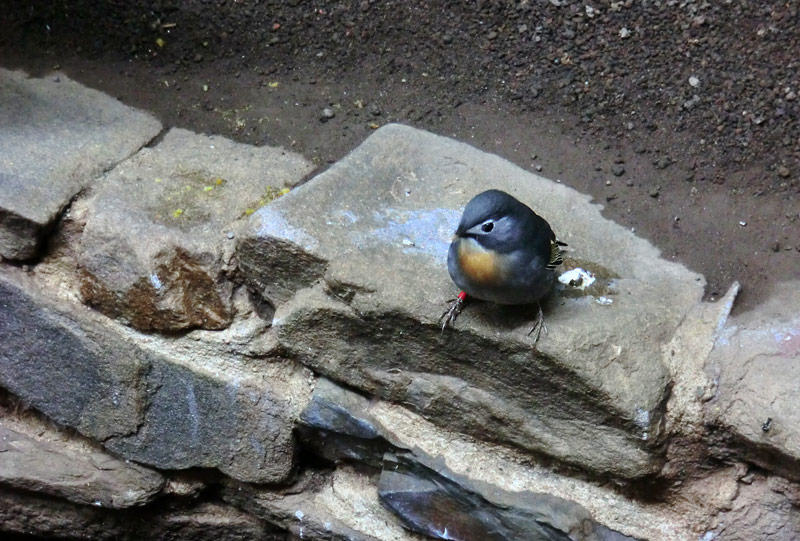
(377, 300)
(327, 114)
(168, 403)
(32, 515)
(341, 505)
(439, 504)
(691, 102)
(756, 408)
(38, 458)
(152, 251)
(618, 169)
(784, 171)
(58, 137)
(336, 426)
(215, 416)
(69, 368)
(357, 429)
(761, 510)
(664, 162)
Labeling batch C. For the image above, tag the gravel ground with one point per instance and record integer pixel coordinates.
(681, 118)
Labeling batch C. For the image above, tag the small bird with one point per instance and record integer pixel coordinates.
(502, 252)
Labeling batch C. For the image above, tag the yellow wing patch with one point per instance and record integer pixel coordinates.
(479, 265)
(556, 254)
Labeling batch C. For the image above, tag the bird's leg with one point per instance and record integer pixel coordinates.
(539, 325)
(452, 312)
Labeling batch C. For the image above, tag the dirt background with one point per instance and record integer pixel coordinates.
(681, 118)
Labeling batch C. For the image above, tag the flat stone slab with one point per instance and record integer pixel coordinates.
(755, 364)
(355, 262)
(57, 137)
(153, 250)
(37, 458)
(168, 403)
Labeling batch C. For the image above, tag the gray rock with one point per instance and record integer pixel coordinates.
(69, 366)
(341, 505)
(756, 365)
(58, 137)
(336, 425)
(37, 458)
(153, 250)
(32, 515)
(592, 395)
(434, 501)
(168, 403)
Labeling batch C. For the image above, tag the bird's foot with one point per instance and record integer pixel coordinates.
(538, 326)
(452, 312)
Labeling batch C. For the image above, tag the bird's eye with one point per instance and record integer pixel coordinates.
(487, 227)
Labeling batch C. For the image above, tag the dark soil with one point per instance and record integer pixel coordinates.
(682, 118)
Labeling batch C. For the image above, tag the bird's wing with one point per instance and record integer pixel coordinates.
(556, 254)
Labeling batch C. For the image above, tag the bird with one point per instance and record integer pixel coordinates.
(502, 252)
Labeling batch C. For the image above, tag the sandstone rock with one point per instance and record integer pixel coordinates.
(338, 506)
(761, 511)
(31, 515)
(37, 458)
(159, 401)
(364, 308)
(154, 247)
(755, 413)
(686, 356)
(58, 137)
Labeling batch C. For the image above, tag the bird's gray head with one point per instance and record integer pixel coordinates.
(496, 220)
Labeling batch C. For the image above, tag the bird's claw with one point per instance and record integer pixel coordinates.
(452, 312)
(538, 326)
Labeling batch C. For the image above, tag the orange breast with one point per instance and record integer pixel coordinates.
(477, 264)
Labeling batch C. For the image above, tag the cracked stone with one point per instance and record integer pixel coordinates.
(58, 138)
(151, 253)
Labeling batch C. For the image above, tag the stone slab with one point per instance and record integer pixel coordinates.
(336, 426)
(32, 515)
(68, 366)
(425, 494)
(153, 249)
(755, 366)
(432, 500)
(38, 458)
(56, 137)
(341, 505)
(358, 255)
(166, 402)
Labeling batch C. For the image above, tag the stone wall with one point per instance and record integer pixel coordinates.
(196, 343)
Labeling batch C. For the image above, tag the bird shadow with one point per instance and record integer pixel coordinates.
(508, 317)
